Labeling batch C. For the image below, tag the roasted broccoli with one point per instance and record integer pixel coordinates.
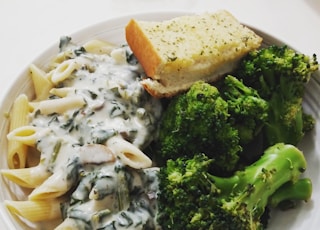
(248, 111)
(279, 74)
(216, 120)
(198, 121)
(192, 198)
(287, 195)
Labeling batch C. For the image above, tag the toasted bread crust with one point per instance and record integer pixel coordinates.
(177, 52)
(158, 90)
(148, 52)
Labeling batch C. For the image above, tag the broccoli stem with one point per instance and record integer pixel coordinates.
(193, 198)
(278, 165)
(287, 195)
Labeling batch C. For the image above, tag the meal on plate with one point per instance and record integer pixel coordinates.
(190, 125)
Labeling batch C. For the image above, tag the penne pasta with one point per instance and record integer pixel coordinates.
(35, 210)
(128, 153)
(63, 71)
(98, 46)
(62, 143)
(62, 92)
(42, 84)
(27, 135)
(54, 186)
(17, 151)
(27, 177)
(59, 105)
(59, 58)
(17, 154)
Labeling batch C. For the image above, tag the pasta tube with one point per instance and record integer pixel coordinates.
(59, 105)
(35, 210)
(17, 151)
(27, 177)
(41, 83)
(128, 153)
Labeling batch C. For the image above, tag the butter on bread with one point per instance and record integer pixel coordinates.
(177, 52)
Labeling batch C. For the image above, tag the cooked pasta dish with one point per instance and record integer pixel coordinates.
(77, 144)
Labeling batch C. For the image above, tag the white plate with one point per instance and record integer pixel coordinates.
(305, 216)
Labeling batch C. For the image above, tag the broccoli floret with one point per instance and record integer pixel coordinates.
(308, 122)
(248, 111)
(192, 198)
(198, 121)
(279, 74)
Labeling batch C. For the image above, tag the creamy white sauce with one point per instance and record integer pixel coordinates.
(107, 194)
(111, 196)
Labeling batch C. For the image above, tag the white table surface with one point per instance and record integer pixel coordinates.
(29, 27)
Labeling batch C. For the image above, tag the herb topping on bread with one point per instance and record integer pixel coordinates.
(177, 52)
